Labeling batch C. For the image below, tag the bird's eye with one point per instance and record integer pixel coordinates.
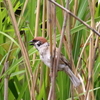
(39, 43)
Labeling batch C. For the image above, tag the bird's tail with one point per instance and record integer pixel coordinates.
(76, 82)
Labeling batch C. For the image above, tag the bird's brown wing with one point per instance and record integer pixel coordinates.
(62, 59)
(67, 69)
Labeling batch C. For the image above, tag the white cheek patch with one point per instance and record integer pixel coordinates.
(36, 45)
(36, 42)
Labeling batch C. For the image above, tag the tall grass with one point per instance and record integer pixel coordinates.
(28, 78)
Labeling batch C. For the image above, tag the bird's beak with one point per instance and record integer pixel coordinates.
(31, 42)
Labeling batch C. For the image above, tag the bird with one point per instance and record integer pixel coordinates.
(43, 47)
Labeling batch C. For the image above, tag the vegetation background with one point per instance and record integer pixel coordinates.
(22, 75)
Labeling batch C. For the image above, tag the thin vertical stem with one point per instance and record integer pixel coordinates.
(62, 36)
(64, 40)
(70, 49)
(11, 45)
(43, 34)
(53, 78)
(6, 65)
(37, 17)
(91, 55)
(44, 18)
(75, 10)
(23, 10)
(36, 33)
(49, 31)
(37, 23)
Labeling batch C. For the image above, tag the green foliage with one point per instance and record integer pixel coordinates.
(18, 84)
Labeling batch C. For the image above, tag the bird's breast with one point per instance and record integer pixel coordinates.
(45, 56)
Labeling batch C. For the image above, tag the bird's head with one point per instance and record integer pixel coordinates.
(38, 41)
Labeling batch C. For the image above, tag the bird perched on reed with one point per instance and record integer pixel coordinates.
(42, 45)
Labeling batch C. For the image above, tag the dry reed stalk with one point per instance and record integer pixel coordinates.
(22, 12)
(53, 78)
(69, 47)
(9, 7)
(85, 44)
(90, 84)
(41, 75)
(62, 36)
(64, 40)
(36, 73)
(35, 35)
(43, 34)
(37, 18)
(69, 12)
(47, 69)
(49, 32)
(44, 18)
(37, 24)
(19, 20)
(79, 89)
(75, 11)
(69, 38)
(6, 65)
(11, 45)
(61, 2)
(97, 38)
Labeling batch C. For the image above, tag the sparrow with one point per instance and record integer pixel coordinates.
(42, 45)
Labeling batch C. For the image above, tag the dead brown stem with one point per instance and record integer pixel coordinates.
(75, 10)
(62, 36)
(69, 12)
(9, 7)
(90, 84)
(49, 31)
(6, 65)
(53, 78)
(70, 49)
